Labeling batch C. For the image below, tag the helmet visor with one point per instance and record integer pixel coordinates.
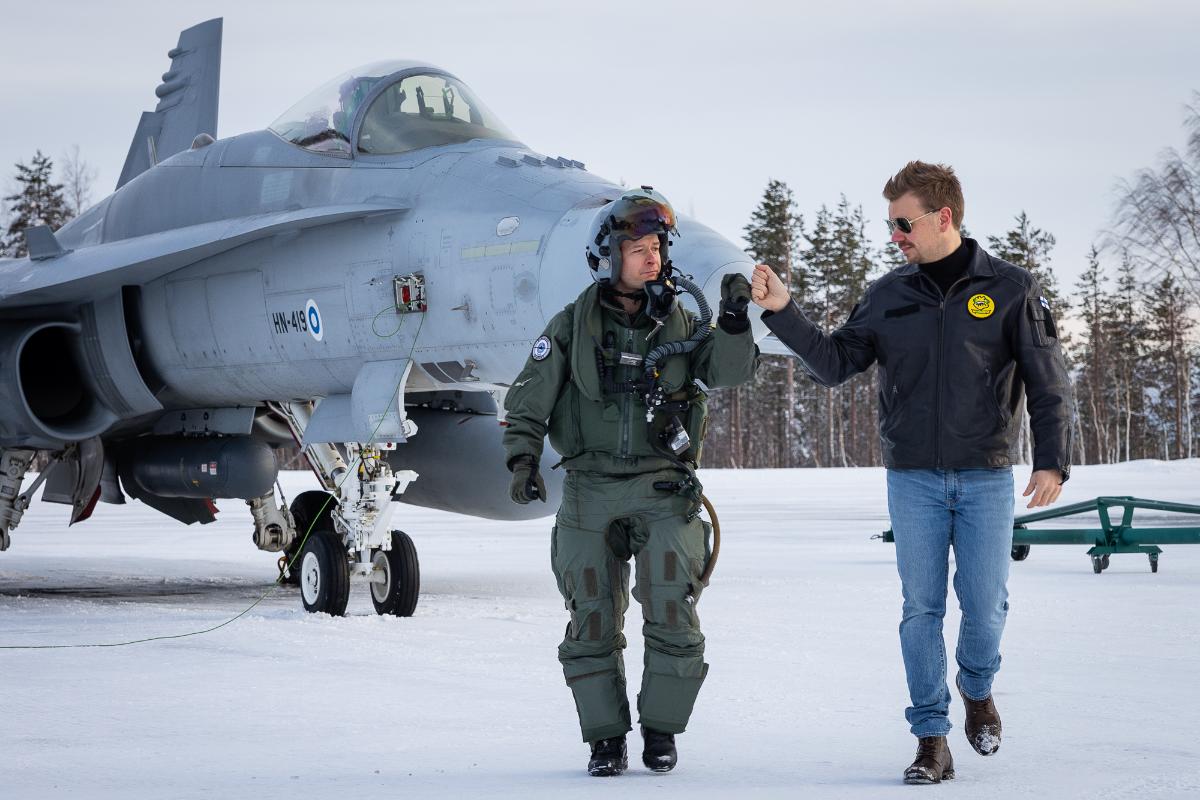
(636, 217)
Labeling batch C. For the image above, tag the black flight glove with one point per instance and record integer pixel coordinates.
(527, 482)
(735, 298)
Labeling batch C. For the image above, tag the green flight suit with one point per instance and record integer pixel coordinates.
(611, 509)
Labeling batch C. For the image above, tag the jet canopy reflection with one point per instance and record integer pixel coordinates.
(411, 106)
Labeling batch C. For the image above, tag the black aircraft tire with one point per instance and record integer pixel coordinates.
(307, 505)
(324, 574)
(398, 596)
(304, 507)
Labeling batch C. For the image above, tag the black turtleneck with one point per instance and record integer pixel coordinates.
(949, 269)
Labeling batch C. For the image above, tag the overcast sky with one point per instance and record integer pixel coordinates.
(1039, 106)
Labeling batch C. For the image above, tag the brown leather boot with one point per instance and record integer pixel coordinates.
(982, 724)
(933, 763)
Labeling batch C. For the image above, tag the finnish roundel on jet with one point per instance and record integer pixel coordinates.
(312, 316)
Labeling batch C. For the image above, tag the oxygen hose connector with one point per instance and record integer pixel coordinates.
(703, 329)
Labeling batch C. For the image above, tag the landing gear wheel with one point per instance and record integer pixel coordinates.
(1020, 552)
(397, 593)
(324, 574)
(1154, 562)
(305, 507)
(309, 505)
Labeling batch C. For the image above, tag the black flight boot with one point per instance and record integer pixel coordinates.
(933, 763)
(658, 752)
(982, 724)
(609, 757)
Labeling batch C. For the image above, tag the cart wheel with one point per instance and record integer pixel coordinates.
(1104, 561)
(1020, 552)
(1097, 564)
(1154, 562)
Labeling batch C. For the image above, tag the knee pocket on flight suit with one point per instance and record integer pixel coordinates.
(668, 572)
(592, 587)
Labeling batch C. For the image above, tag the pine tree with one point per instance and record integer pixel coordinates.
(858, 439)
(39, 202)
(840, 262)
(773, 237)
(1125, 334)
(1029, 247)
(1091, 354)
(753, 426)
(1168, 332)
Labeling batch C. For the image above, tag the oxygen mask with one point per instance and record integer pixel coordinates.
(661, 298)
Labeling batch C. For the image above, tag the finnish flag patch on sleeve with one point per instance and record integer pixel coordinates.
(1045, 303)
(541, 348)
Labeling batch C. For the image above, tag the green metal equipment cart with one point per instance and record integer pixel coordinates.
(1110, 537)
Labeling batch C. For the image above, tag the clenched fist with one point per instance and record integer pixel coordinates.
(767, 291)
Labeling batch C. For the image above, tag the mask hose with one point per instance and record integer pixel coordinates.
(703, 329)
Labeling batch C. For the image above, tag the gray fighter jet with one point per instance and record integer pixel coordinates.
(364, 278)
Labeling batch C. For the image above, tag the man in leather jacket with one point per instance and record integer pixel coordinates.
(961, 338)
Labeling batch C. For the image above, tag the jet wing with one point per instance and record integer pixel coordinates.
(770, 345)
(92, 271)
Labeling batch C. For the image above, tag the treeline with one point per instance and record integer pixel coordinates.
(1128, 328)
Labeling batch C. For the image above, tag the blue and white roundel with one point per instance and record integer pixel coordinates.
(541, 348)
(313, 315)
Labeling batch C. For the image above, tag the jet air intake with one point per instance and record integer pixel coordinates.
(45, 398)
(63, 381)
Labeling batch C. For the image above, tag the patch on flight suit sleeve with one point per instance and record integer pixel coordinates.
(541, 348)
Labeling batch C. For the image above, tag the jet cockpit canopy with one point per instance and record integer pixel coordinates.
(411, 106)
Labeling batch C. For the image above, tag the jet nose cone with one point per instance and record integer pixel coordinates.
(708, 257)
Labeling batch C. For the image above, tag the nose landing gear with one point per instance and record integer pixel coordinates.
(343, 532)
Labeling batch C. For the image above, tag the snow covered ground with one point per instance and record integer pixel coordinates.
(1100, 690)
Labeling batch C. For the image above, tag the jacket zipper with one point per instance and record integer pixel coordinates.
(626, 398)
(937, 406)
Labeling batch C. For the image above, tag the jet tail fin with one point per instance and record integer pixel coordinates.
(187, 104)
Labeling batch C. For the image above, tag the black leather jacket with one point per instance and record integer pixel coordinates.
(953, 370)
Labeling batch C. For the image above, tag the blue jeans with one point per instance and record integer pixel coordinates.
(933, 510)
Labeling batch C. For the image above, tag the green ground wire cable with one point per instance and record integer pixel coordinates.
(277, 583)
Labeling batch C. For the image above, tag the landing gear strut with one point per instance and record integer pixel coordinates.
(13, 502)
(343, 532)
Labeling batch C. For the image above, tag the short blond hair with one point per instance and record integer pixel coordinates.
(935, 185)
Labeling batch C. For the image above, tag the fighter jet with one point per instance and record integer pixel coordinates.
(363, 278)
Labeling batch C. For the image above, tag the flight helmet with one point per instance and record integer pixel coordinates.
(634, 214)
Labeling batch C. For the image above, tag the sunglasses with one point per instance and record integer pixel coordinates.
(905, 224)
